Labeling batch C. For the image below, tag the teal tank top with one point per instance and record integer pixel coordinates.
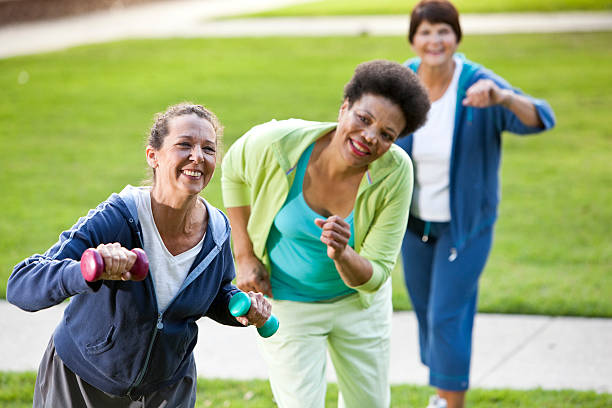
(301, 269)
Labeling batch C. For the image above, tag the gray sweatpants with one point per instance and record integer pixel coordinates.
(57, 386)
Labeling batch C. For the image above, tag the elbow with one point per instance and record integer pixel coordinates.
(14, 298)
(17, 296)
(379, 276)
(545, 116)
(371, 285)
(11, 291)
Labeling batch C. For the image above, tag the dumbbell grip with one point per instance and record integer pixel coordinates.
(240, 304)
(92, 265)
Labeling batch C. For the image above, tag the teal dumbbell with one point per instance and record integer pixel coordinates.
(240, 304)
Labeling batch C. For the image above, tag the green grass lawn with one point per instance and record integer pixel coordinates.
(16, 390)
(73, 125)
(367, 7)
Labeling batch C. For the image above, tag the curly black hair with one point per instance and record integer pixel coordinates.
(395, 82)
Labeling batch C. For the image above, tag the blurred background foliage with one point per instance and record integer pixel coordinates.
(73, 126)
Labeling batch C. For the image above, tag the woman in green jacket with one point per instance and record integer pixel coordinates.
(318, 211)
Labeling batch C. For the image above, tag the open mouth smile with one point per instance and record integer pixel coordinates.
(358, 148)
(196, 174)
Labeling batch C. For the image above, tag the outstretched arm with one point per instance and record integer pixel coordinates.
(485, 93)
(42, 281)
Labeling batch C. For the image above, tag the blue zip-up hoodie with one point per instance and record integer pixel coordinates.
(111, 334)
(476, 153)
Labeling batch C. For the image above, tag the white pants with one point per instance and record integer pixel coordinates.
(358, 341)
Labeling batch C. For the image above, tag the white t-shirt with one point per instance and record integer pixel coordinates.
(431, 151)
(168, 271)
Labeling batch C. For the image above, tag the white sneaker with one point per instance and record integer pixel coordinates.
(436, 402)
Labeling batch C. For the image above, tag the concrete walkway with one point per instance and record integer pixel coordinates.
(195, 18)
(518, 352)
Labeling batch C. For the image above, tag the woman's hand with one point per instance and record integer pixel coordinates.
(252, 275)
(117, 261)
(485, 93)
(259, 313)
(335, 234)
(353, 268)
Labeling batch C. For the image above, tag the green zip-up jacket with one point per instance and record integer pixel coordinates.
(258, 171)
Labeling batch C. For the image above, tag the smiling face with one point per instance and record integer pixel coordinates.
(434, 43)
(367, 129)
(186, 161)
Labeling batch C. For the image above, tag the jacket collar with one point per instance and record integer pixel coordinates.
(467, 73)
(289, 149)
(217, 222)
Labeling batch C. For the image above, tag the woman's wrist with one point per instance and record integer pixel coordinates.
(353, 268)
(507, 99)
(245, 256)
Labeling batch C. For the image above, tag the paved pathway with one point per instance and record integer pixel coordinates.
(510, 351)
(194, 18)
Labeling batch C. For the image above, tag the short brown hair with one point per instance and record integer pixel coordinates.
(159, 130)
(434, 11)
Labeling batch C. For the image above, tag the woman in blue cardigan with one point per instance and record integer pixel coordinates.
(456, 157)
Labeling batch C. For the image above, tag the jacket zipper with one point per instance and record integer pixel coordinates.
(159, 326)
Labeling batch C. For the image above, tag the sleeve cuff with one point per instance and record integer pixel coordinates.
(545, 113)
(74, 282)
(375, 282)
(235, 195)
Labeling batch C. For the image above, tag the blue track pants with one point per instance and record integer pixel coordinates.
(444, 294)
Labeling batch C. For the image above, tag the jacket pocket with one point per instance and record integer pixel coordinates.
(103, 344)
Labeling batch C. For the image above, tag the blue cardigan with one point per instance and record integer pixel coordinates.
(476, 154)
(111, 334)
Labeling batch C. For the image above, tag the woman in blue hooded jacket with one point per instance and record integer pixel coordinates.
(456, 157)
(128, 343)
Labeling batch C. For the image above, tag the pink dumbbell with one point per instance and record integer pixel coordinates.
(92, 265)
